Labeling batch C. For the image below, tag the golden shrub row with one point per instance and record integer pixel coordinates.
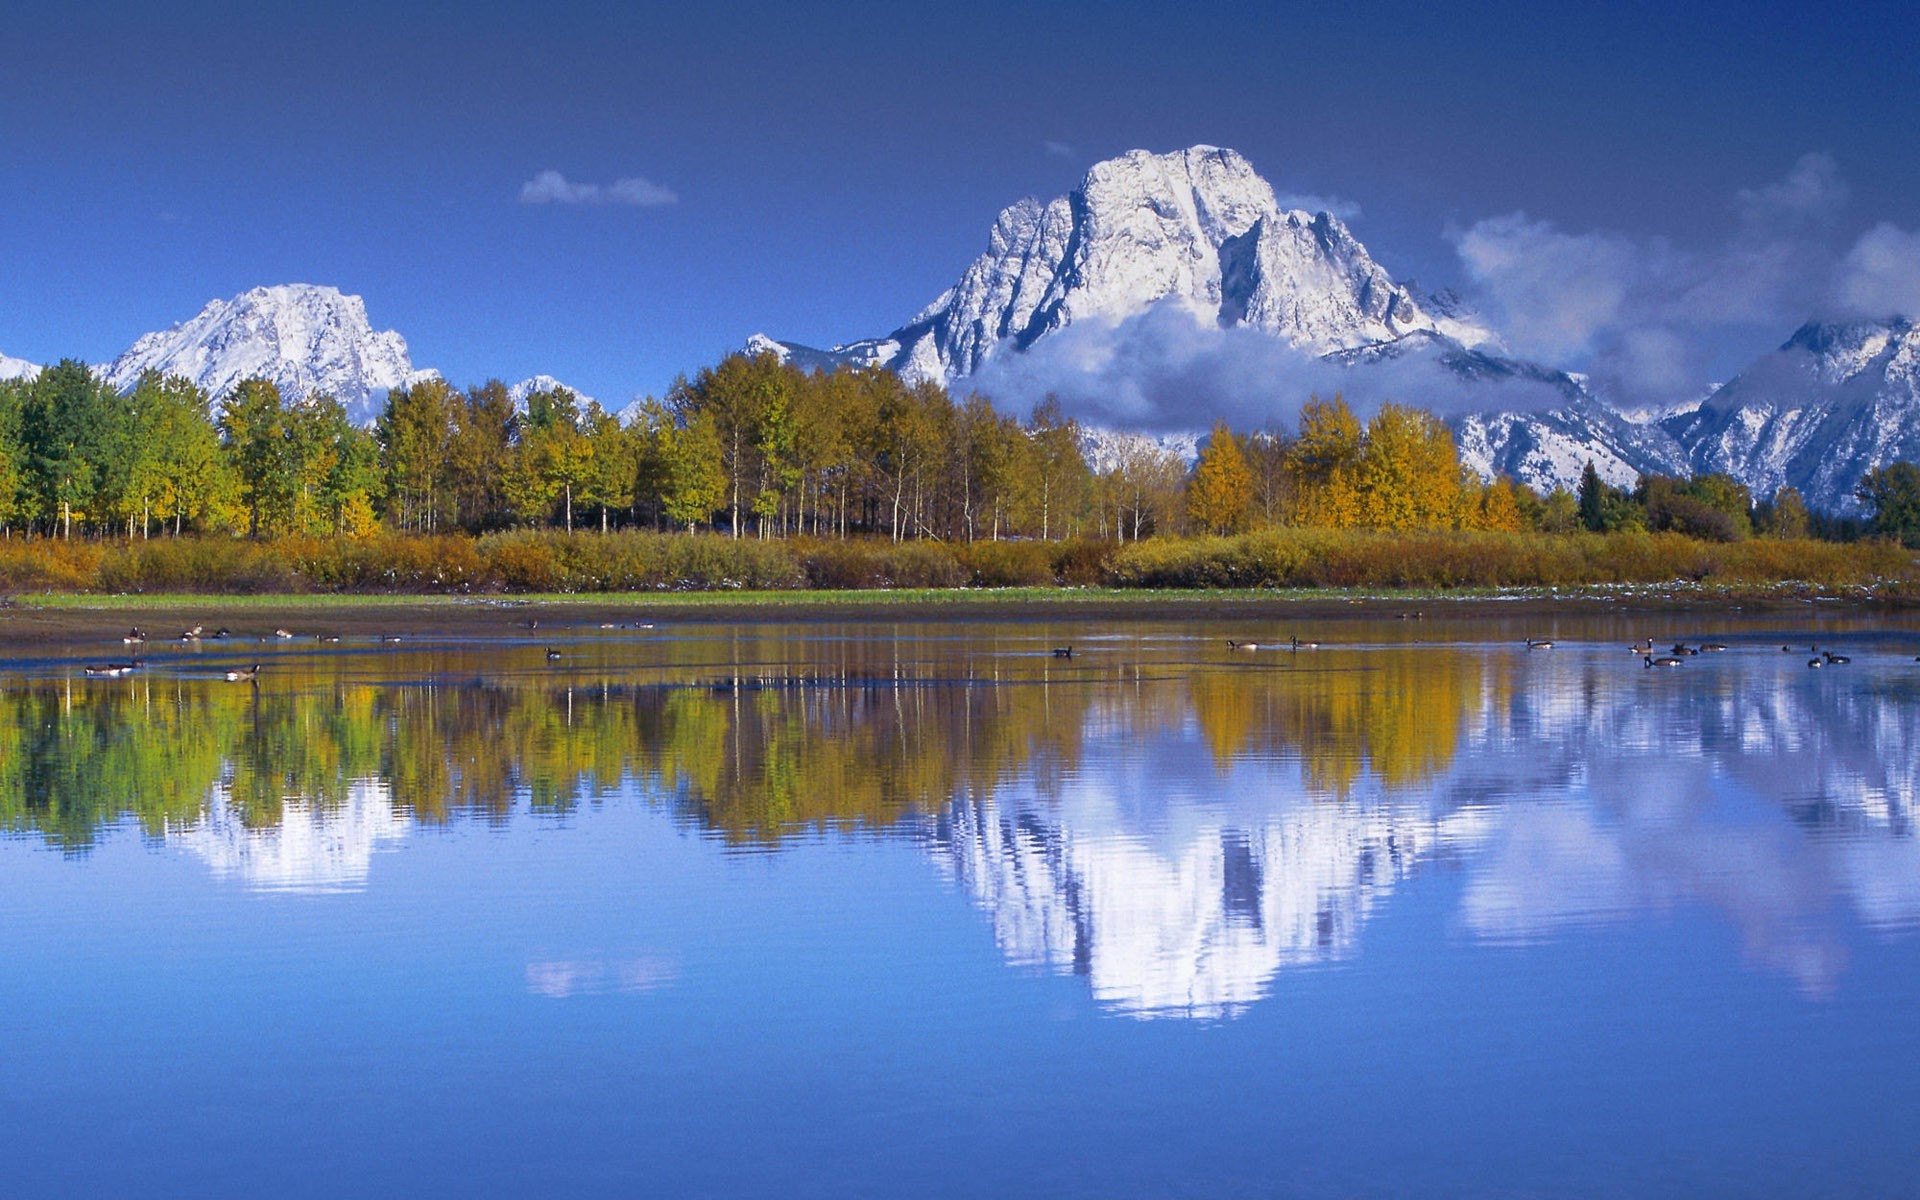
(547, 561)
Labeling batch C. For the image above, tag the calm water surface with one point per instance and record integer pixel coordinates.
(921, 910)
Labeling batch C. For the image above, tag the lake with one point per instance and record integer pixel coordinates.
(922, 909)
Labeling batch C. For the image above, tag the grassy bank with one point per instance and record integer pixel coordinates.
(655, 565)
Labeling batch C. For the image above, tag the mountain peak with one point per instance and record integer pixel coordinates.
(306, 338)
(1199, 227)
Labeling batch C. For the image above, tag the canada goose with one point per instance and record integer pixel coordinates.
(1712, 648)
(1680, 649)
(1786, 649)
(221, 634)
(608, 625)
(1233, 645)
(1300, 645)
(1539, 644)
(389, 638)
(1663, 661)
(281, 633)
(1814, 662)
(109, 671)
(533, 622)
(1835, 659)
(135, 637)
(552, 654)
(1644, 646)
(1063, 651)
(244, 674)
(191, 635)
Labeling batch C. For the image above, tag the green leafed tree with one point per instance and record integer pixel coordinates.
(1891, 496)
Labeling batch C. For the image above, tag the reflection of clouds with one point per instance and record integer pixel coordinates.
(312, 848)
(1593, 796)
(1777, 801)
(558, 979)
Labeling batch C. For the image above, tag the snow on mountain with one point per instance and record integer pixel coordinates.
(1196, 224)
(18, 368)
(519, 392)
(1106, 448)
(1835, 401)
(1199, 226)
(306, 339)
(313, 847)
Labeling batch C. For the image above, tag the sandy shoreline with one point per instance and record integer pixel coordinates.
(42, 620)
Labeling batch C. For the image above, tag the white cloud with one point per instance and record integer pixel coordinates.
(1811, 193)
(1171, 368)
(1346, 210)
(1557, 290)
(551, 187)
(1631, 309)
(1058, 149)
(1881, 275)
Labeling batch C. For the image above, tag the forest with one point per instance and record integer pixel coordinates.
(753, 450)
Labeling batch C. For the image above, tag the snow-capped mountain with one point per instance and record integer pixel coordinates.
(306, 339)
(1198, 225)
(1834, 402)
(17, 368)
(542, 383)
(1201, 228)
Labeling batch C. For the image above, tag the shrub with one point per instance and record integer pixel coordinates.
(1008, 564)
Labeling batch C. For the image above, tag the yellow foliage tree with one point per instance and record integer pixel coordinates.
(1221, 489)
(1325, 464)
(1499, 507)
(1409, 471)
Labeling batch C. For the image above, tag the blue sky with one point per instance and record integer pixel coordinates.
(832, 169)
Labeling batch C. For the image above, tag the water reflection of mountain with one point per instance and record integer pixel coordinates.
(1193, 926)
(1180, 832)
(1588, 796)
(311, 848)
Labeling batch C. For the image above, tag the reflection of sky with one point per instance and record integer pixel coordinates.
(312, 848)
(1783, 804)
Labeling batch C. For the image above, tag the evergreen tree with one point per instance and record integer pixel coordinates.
(1593, 499)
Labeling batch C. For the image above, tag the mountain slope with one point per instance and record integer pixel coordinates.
(18, 368)
(1835, 401)
(304, 338)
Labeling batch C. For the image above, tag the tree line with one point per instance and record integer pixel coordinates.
(753, 447)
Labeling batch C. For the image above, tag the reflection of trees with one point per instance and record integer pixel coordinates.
(844, 743)
(1395, 712)
(1177, 830)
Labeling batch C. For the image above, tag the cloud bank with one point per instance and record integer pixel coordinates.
(551, 187)
(1171, 368)
(1636, 311)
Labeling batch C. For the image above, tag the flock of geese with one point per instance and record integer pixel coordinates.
(1674, 657)
(187, 637)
